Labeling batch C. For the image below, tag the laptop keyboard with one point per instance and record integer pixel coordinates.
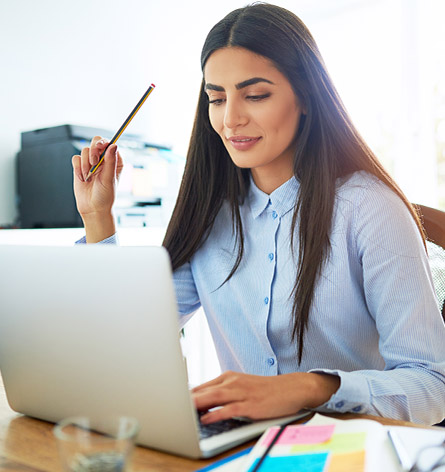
(207, 430)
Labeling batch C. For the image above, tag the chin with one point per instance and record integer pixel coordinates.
(243, 161)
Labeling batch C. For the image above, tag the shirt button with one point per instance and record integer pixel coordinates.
(266, 300)
(357, 409)
(339, 404)
(274, 214)
(271, 361)
(271, 256)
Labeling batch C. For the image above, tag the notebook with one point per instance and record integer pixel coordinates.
(93, 330)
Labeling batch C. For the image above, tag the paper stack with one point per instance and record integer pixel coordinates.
(326, 444)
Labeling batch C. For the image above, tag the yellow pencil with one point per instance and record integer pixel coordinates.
(121, 129)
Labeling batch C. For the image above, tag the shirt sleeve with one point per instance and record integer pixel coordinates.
(186, 293)
(113, 239)
(398, 289)
(436, 257)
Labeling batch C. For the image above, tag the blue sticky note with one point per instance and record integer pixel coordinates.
(297, 463)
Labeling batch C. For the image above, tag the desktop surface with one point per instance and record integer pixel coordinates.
(28, 445)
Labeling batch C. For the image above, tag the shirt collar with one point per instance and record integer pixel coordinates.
(281, 199)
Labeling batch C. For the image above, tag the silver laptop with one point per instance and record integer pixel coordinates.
(93, 330)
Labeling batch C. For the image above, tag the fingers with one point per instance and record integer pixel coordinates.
(109, 165)
(233, 410)
(222, 390)
(96, 140)
(97, 147)
(251, 396)
(90, 156)
(85, 162)
(231, 403)
(119, 165)
(75, 161)
(215, 396)
(216, 381)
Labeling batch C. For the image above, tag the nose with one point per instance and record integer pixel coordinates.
(235, 114)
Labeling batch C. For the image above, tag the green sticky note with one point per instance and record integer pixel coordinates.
(340, 443)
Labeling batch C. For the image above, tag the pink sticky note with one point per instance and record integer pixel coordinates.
(300, 434)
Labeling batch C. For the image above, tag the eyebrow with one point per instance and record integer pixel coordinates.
(241, 85)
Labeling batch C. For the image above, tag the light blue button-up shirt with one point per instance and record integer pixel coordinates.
(374, 321)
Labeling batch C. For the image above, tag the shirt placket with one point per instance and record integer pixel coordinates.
(270, 260)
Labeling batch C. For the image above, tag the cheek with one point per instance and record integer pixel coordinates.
(284, 120)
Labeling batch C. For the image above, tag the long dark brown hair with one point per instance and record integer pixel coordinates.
(328, 148)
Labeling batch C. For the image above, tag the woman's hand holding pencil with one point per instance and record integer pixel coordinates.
(95, 197)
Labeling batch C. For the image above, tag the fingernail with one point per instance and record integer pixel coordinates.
(80, 177)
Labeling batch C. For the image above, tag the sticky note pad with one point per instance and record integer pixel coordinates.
(341, 443)
(306, 463)
(300, 434)
(352, 462)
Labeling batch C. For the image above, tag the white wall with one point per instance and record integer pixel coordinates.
(87, 62)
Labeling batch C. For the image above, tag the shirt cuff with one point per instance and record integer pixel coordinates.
(353, 395)
(113, 239)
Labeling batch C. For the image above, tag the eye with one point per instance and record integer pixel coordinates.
(216, 101)
(257, 98)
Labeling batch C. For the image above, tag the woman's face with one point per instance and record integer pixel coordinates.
(255, 112)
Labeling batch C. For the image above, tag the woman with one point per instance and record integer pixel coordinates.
(308, 260)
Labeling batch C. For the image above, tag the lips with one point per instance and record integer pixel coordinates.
(243, 143)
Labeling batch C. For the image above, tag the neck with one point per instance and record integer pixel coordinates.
(268, 182)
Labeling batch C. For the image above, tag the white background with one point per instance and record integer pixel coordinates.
(87, 62)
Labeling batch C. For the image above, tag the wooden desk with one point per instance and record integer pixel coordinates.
(28, 445)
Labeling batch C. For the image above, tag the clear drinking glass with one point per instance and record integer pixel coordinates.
(92, 446)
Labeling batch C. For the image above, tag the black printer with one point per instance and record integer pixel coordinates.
(45, 176)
